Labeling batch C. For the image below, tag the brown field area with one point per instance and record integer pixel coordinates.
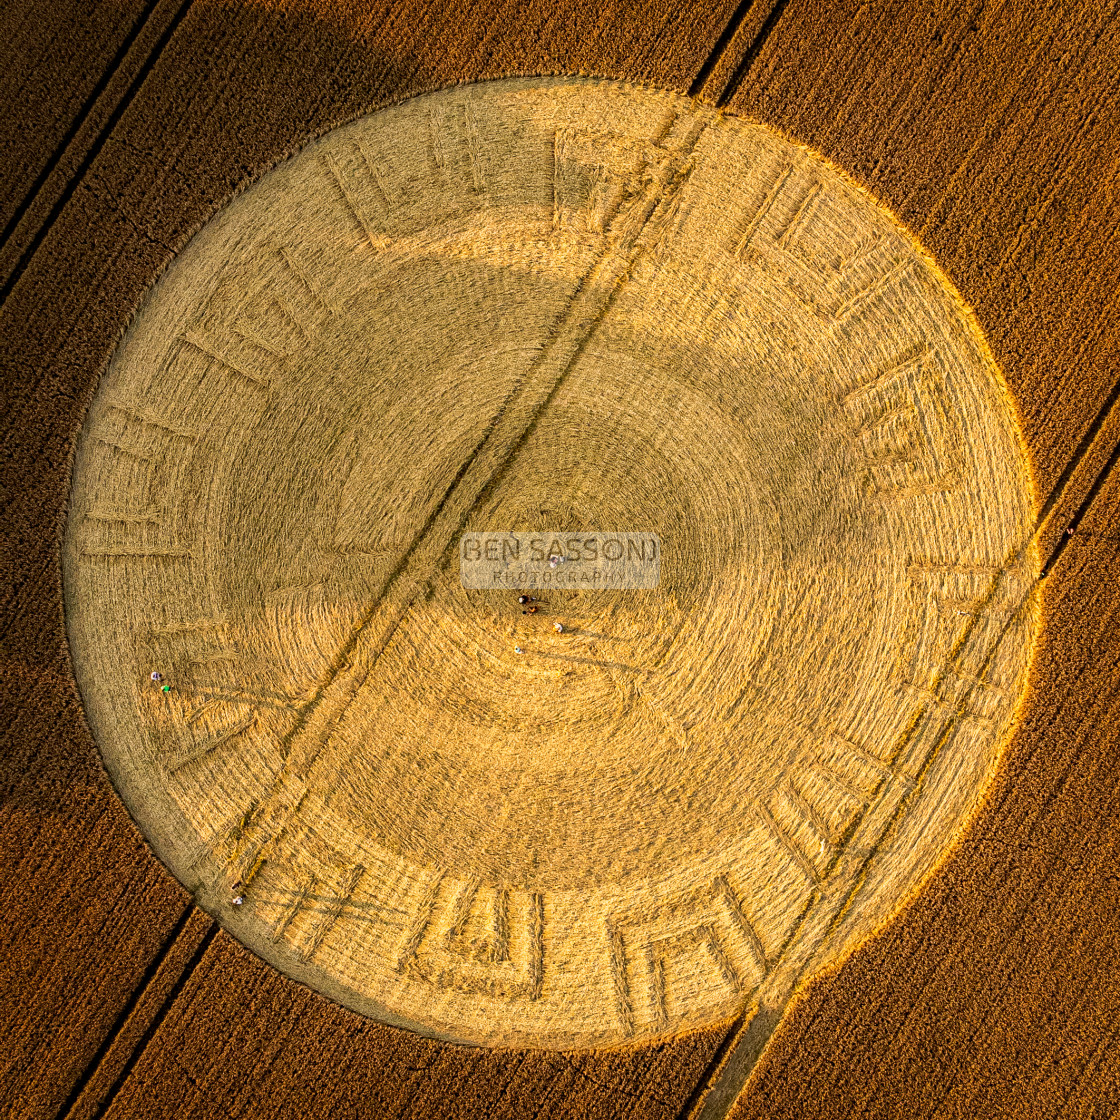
(991, 132)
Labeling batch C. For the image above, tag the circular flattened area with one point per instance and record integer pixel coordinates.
(577, 307)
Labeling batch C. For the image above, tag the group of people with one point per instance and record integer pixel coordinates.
(530, 604)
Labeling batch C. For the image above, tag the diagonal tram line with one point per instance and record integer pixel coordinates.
(87, 162)
(76, 124)
(909, 764)
(722, 45)
(748, 31)
(153, 1028)
(258, 832)
(736, 1057)
(75, 1102)
(487, 456)
(477, 478)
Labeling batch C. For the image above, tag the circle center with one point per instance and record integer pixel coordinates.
(554, 307)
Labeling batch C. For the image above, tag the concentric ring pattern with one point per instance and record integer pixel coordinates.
(574, 306)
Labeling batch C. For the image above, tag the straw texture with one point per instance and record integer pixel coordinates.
(595, 307)
(988, 131)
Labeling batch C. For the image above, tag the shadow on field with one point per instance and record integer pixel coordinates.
(224, 92)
